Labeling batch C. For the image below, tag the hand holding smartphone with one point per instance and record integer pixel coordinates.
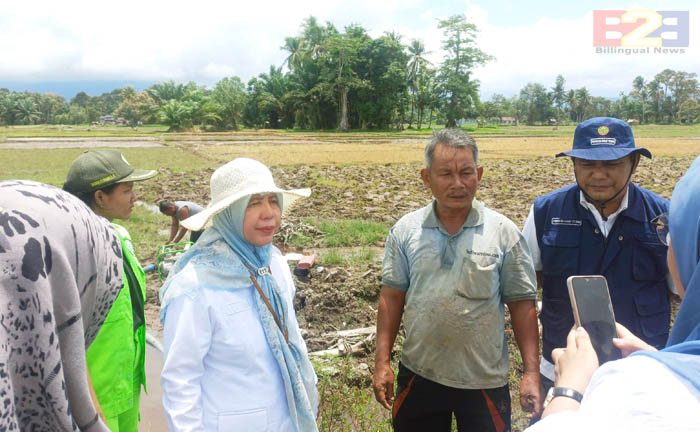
(590, 301)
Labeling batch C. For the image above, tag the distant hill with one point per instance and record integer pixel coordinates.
(68, 89)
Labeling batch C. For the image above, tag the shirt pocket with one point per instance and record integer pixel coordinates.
(649, 258)
(560, 250)
(654, 312)
(253, 420)
(479, 276)
(235, 319)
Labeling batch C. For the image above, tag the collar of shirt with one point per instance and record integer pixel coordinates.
(474, 218)
(605, 225)
(447, 241)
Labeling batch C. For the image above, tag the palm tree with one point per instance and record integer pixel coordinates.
(640, 92)
(166, 91)
(583, 103)
(656, 97)
(26, 111)
(296, 47)
(417, 66)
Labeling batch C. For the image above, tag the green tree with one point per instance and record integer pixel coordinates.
(137, 107)
(26, 111)
(639, 93)
(310, 93)
(689, 111)
(342, 54)
(684, 86)
(81, 99)
(416, 73)
(49, 105)
(176, 115)
(231, 96)
(488, 112)
(582, 99)
(655, 94)
(559, 95)
(460, 93)
(381, 69)
(534, 104)
(296, 48)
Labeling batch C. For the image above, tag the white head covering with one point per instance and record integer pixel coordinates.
(236, 179)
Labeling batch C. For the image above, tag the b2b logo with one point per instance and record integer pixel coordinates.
(640, 28)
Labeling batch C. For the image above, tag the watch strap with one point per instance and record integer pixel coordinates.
(567, 392)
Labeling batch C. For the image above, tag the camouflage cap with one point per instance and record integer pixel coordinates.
(97, 169)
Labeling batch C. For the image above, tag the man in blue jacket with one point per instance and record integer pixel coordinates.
(600, 226)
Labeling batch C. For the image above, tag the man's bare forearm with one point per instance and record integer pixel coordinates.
(523, 316)
(391, 303)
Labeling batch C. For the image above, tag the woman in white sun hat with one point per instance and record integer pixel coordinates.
(234, 357)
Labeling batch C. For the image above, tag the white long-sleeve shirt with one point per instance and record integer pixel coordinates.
(219, 372)
(635, 394)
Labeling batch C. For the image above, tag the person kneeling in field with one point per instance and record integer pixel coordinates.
(179, 211)
(449, 269)
(234, 357)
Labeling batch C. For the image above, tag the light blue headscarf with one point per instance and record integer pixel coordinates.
(682, 352)
(230, 260)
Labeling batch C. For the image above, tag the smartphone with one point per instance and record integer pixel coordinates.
(590, 301)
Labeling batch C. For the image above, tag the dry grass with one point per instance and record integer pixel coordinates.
(398, 151)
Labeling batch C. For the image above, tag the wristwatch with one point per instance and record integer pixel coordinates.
(562, 391)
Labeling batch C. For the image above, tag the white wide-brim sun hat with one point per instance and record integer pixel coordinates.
(235, 180)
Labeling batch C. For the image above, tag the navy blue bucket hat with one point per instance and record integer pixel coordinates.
(603, 138)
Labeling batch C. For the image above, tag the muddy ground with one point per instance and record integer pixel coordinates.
(344, 296)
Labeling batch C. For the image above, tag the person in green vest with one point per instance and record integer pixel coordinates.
(104, 180)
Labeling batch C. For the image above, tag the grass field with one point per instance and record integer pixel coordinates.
(361, 183)
(641, 131)
(192, 152)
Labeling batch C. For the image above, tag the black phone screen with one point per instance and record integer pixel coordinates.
(596, 315)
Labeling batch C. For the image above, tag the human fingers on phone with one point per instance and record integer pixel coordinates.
(582, 339)
(622, 331)
(628, 343)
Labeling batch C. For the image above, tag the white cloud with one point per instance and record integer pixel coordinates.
(540, 52)
(207, 40)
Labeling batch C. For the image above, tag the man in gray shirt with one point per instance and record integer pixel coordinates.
(179, 211)
(449, 269)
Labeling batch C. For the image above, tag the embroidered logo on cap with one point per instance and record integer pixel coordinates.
(603, 130)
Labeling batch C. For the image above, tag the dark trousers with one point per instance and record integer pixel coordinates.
(424, 405)
(194, 235)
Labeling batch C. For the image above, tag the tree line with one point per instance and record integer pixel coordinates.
(670, 97)
(346, 80)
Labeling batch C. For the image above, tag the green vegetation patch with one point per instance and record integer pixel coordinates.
(350, 232)
(336, 256)
(144, 227)
(347, 399)
(45, 130)
(51, 165)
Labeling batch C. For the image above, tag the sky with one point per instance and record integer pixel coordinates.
(78, 44)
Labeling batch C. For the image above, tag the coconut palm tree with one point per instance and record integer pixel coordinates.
(415, 75)
(296, 47)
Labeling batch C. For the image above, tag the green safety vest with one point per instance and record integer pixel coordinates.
(117, 355)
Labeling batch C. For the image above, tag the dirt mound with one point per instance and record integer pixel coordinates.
(336, 298)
